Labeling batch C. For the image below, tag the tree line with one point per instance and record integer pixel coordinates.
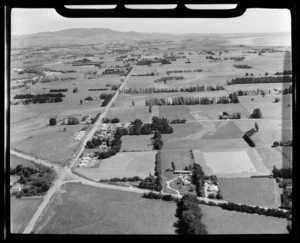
(184, 71)
(198, 179)
(285, 72)
(268, 79)
(40, 98)
(197, 88)
(243, 66)
(191, 100)
(58, 90)
(164, 79)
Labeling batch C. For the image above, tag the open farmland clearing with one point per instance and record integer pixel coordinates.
(127, 164)
(231, 163)
(21, 211)
(219, 221)
(136, 143)
(102, 211)
(263, 192)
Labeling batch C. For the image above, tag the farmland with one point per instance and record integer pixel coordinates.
(127, 164)
(219, 221)
(101, 211)
(21, 212)
(127, 67)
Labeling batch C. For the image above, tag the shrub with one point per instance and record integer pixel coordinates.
(75, 90)
(277, 100)
(256, 113)
(52, 121)
(115, 120)
(73, 121)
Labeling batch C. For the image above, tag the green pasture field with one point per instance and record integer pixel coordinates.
(231, 163)
(15, 161)
(131, 113)
(101, 211)
(175, 112)
(268, 137)
(219, 221)
(136, 143)
(263, 192)
(49, 143)
(268, 108)
(279, 157)
(181, 159)
(21, 211)
(208, 112)
(121, 165)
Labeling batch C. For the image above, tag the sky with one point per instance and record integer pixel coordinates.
(29, 21)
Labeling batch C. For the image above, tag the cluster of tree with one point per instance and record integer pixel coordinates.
(33, 96)
(40, 98)
(213, 58)
(191, 100)
(269, 79)
(164, 79)
(282, 173)
(165, 61)
(256, 114)
(189, 216)
(178, 121)
(243, 208)
(243, 66)
(252, 92)
(94, 143)
(67, 78)
(197, 88)
(249, 133)
(138, 128)
(153, 195)
(106, 98)
(36, 181)
(97, 89)
(285, 72)
(115, 87)
(75, 90)
(48, 80)
(158, 172)
(124, 179)
(184, 71)
(145, 74)
(148, 183)
(288, 143)
(161, 125)
(198, 180)
(236, 59)
(58, 90)
(113, 120)
(89, 98)
(94, 119)
(52, 121)
(288, 90)
(225, 115)
(115, 146)
(72, 120)
(157, 141)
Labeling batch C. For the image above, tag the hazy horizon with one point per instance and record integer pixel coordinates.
(34, 21)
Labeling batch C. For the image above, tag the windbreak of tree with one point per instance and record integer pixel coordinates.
(243, 66)
(106, 98)
(97, 89)
(158, 172)
(189, 214)
(113, 120)
(58, 90)
(198, 179)
(191, 100)
(40, 98)
(184, 71)
(163, 79)
(288, 143)
(197, 88)
(285, 72)
(267, 79)
(124, 179)
(178, 121)
(35, 181)
(94, 119)
(252, 92)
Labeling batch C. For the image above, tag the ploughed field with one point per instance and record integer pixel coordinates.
(92, 210)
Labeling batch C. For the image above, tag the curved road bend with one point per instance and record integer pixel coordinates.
(61, 172)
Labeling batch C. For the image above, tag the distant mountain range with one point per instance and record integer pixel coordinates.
(104, 36)
(80, 36)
